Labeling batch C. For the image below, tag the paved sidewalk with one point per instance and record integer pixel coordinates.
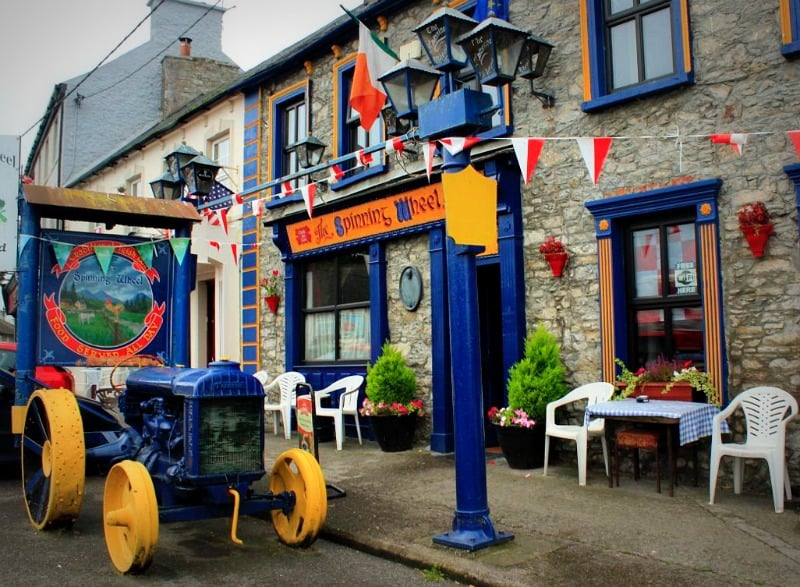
(564, 534)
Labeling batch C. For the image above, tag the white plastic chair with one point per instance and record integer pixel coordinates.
(592, 393)
(286, 384)
(766, 410)
(348, 405)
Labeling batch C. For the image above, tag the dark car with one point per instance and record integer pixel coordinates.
(49, 375)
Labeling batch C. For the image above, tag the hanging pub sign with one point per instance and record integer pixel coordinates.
(103, 298)
(412, 208)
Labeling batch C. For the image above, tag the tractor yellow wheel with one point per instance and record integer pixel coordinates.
(298, 472)
(130, 517)
(53, 458)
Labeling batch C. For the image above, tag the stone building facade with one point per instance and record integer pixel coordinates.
(734, 72)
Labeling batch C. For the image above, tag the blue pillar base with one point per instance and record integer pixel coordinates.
(442, 442)
(472, 533)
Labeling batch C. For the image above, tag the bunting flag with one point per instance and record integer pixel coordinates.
(235, 253)
(237, 198)
(594, 152)
(735, 140)
(23, 241)
(179, 247)
(222, 214)
(214, 244)
(455, 145)
(145, 251)
(103, 255)
(527, 152)
(794, 136)
(61, 251)
(395, 145)
(374, 58)
(258, 207)
(364, 158)
(309, 191)
(427, 152)
(336, 173)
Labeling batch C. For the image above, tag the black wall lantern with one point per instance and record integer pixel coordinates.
(534, 58)
(409, 84)
(494, 48)
(199, 174)
(166, 187)
(178, 158)
(309, 151)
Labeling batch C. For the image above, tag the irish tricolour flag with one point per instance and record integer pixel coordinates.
(374, 58)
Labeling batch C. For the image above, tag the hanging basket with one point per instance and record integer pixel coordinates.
(272, 303)
(557, 262)
(757, 236)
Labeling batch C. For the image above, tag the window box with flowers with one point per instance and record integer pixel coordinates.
(755, 224)
(667, 380)
(555, 253)
(271, 288)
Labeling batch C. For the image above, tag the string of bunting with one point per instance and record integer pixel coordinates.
(594, 151)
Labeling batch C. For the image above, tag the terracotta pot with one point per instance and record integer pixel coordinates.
(394, 433)
(272, 303)
(557, 262)
(679, 392)
(523, 448)
(757, 236)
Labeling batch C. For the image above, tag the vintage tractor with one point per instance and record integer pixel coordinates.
(185, 443)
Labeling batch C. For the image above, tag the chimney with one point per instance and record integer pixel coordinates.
(186, 47)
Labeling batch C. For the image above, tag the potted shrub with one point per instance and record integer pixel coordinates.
(533, 382)
(391, 406)
(666, 379)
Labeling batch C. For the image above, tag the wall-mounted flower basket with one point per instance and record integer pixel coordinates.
(757, 236)
(272, 303)
(557, 262)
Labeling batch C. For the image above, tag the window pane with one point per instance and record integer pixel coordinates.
(354, 279)
(625, 70)
(650, 333)
(647, 263)
(620, 5)
(319, 337)
(320, 278)
(682, 255)
(687, 335)
(354, 334)
(657, 40)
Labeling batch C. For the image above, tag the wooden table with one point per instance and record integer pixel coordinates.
(691, 420)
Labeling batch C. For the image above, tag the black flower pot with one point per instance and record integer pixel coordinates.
(394, 433)
(523, 448)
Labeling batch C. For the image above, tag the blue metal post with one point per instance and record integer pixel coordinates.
(472, 528)
(27, 306)
(181, 305)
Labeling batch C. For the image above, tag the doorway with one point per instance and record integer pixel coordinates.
(491, 331)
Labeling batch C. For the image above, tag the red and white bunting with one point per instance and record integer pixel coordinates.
(258, 207)
(735, 140)
(235, 252)
(527, 152)
(427, 152)
(364, 158)
(309, 191)
(237, 198)
(455, 145)
(286, 189)
(394, 145)
(336, 173)
(214, 244)
(594, 152)
(794, 136)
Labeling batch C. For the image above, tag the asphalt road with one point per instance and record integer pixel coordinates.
(189, 553)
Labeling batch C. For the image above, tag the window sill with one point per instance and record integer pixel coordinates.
(791, 50)
(637, 92)
(360, 176)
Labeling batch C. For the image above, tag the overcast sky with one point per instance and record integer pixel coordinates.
(45, 42)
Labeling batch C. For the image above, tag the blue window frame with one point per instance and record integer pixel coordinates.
(350, 136)
(790, 27)
(634, 48)
(289, 124)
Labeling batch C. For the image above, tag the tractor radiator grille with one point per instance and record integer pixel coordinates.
(230, 438)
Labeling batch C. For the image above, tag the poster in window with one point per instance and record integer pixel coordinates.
(686, 278)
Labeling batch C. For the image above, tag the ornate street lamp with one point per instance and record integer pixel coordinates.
(178, 158)
(166, 187)
(437, 35)
(494, 48)
(199, 174)
(535, 54)
(409, 84)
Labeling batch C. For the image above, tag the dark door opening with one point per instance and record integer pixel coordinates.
(211, 296)
(491, 325)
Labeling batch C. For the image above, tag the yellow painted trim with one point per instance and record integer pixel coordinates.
(711, 309)
(607, 340)
(18, 419)
(341, 64)
(687, 44)
(270, 116)
(786, 22)
(586, 70)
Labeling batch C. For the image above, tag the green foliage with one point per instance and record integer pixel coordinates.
(389, 379)
(434, 575)
(538, 378)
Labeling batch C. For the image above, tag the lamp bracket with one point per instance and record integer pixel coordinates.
(547, 100)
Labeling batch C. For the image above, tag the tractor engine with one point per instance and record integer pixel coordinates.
(202, 430)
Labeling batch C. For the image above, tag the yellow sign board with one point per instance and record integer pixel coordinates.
(406, 210)
(471, 208)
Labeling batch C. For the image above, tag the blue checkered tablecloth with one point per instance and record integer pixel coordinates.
(694, 419)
